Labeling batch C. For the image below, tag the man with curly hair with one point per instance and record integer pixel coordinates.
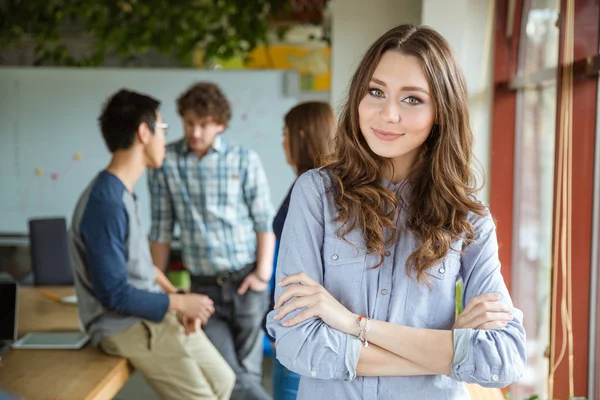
(219, 196)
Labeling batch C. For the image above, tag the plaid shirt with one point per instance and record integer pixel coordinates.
(220, 202)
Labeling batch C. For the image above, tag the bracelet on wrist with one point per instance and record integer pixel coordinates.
(364, 328)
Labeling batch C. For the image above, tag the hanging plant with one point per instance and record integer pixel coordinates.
(223, 28)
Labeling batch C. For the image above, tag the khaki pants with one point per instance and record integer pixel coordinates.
(178, 367)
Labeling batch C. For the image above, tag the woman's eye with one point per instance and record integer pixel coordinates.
(376, 92)
(412, 100)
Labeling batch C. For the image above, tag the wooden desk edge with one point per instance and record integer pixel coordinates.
(112, 383)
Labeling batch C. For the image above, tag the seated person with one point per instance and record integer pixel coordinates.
(120, 304)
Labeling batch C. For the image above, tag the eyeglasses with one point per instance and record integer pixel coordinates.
(163, 125)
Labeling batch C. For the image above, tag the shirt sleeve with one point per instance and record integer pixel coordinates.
(257, 194)
(104, 232)
(311, 348)
(490, 358)
(161, 207)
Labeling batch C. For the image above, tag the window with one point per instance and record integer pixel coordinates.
(534, 189)
(522, 185)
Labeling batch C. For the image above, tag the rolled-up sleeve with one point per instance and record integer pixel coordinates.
(310, 348)
(161, 207)
(257, 194)
(490, 358)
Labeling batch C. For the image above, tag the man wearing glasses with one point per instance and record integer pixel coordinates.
(219, 196)
(120, 299)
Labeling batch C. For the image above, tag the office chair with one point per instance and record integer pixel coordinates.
(49, 248)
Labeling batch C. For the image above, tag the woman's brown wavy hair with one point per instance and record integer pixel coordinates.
(310, 127)
(442, 183)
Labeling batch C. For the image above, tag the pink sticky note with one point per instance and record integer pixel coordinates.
(54, 176)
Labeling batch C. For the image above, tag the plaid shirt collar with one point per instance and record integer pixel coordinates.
(218, 145)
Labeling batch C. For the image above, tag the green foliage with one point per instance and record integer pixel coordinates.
(223, 28)
(458, 298)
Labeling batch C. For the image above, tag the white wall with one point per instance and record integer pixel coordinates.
(468, 26)
(355, 25)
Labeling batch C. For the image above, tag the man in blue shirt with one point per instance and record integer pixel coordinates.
(120, 303)
(219, 196)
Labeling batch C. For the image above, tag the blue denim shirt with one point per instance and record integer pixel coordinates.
(327, 358)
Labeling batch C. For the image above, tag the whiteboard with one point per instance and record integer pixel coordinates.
(51, 146)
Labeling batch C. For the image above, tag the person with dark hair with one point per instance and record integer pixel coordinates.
(120, 302)
(376, 240)
(219, 196)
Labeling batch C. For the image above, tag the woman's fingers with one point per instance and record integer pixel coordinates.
(296, 291)
(299, 278)
(476, 319)
(493, 325)
(300, 302)
(469, 315)
(303, 316)
(483, 298)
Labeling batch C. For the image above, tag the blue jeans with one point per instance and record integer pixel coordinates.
(285, 382)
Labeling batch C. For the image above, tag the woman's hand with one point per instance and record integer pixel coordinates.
(484, 312)
(319, 303)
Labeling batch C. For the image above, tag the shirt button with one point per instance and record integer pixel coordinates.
(442, 270)
(495, 378)
(335, 257)
(384, 292)
(313, 373)
(387, 253)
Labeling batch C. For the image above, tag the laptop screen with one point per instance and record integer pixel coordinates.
(8, 311)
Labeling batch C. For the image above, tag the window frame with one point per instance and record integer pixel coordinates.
(509, 14)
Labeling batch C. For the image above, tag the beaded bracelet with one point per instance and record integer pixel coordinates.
(363, 329)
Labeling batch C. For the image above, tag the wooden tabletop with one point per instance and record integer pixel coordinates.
(58, 374)
(37, 313)
(85, 374)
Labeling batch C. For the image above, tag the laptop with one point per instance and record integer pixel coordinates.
(8, 312)
(33, 340)
(52, 340)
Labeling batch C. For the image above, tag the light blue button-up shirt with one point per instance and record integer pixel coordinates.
(327, 358)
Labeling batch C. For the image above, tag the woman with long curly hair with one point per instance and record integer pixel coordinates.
(376, 240)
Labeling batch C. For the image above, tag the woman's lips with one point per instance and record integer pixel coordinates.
(387, 136)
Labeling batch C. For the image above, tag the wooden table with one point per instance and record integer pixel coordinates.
(78, 374)
(58, 374)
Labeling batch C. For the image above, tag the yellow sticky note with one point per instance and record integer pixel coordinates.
(77, 156)
(39, 171)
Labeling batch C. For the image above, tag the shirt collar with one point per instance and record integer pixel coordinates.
(402, 188)
(217, 145)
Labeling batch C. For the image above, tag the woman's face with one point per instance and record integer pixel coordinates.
(397, 113)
